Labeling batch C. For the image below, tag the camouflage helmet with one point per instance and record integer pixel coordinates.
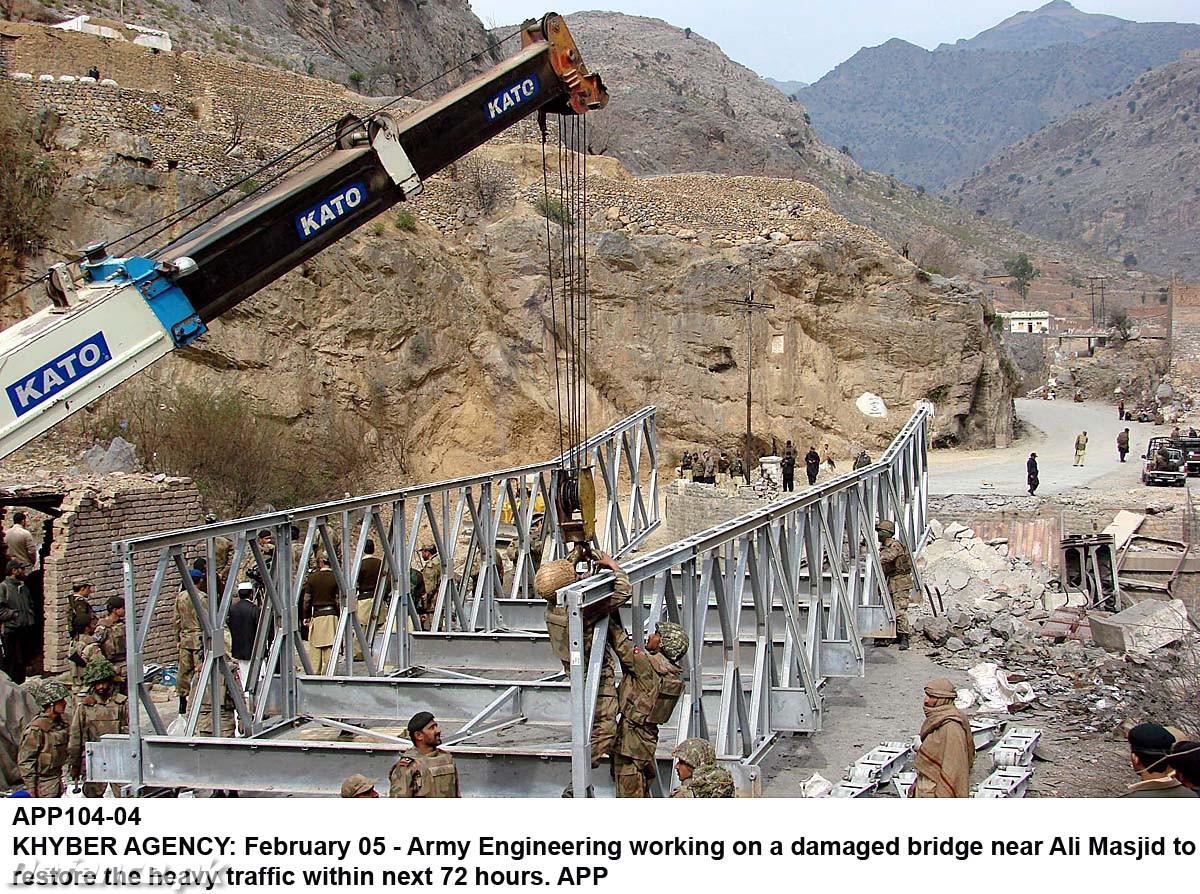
(711, 781)
(886, 527)
(98, 670)
(552, 577)
(49, 692)
(674, 641)
(695, 753)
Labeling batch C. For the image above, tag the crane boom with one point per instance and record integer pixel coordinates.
(126, 313)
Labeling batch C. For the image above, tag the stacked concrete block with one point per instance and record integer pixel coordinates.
(95, 513)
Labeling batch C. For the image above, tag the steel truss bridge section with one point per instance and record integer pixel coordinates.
(779, 598)
(462, 517)
(772, 661)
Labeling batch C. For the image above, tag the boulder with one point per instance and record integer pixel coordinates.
(1006, 627)
(954, 644)
(936, 630)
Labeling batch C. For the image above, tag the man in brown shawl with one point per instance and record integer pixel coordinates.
(947, 749)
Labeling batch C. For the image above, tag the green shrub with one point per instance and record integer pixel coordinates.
(406, 221)
(551, 209)
(29, 179)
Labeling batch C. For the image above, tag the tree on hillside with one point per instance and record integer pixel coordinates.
(1023, 272)
(1119, 321)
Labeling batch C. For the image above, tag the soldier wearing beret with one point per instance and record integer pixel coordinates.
(1150, 746)
(424, 771)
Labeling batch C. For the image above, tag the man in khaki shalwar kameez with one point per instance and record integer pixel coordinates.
(947, 749)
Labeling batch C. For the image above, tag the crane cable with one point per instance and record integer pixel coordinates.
(568, 293)
(313, 145)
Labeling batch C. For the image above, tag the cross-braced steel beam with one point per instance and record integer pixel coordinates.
(776, 600)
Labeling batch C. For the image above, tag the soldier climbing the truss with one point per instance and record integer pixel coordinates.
(551, 578)
(650, 688)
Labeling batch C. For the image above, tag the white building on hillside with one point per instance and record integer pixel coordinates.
(1028, 320)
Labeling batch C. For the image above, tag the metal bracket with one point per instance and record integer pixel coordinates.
(385, 140)
(1007, 782)
(874, 769)
(1016, 748)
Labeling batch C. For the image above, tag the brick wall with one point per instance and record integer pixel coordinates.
(93, 516)
(691, 507)
(1185, 330)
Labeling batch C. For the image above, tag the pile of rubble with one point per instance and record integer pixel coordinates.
(993, 608)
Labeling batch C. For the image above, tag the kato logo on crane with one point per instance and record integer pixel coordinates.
(511, 97)
(314, 219)
(59, 374)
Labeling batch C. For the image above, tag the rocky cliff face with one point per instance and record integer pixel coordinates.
(377, 46)
(433, 345)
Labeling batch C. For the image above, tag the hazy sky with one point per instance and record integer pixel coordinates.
(800, 40)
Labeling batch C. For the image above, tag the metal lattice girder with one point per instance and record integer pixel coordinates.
(772, 558)
(1016, 748)
(782, 592)
(462, 517)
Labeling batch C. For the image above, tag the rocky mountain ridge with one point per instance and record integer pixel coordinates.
(1056, 22)
(1117, 177)
(935, 117)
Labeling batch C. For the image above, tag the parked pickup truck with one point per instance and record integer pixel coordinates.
(1164, 463)
(1191, 454)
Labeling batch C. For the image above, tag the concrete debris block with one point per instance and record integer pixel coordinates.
(965, 534)
(952, 530)
(936, 630)
(1144, 627)
(957, 580)
(954, 644)
(120, 457)
(816, 786)
(935, 529)
(1006, 627)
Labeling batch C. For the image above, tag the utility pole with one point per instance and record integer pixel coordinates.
(748, 306)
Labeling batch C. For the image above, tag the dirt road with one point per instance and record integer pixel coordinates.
(1050, 430)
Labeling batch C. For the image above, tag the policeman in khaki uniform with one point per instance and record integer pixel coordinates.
(424, 771)
(103, 710)
(650, 689)
(552, 577)
(320, 610)
(897, 568)
(43, 751)
(186, 626)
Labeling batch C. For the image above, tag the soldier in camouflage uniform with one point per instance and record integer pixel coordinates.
(424, 771)
(709, 782)
(111, 633)
(81, 606)
(103, 710)
(547, 583)
(188, 639)
(431, 576)
(650, 689)
(43, 750)
(84, 649)
(897, 568)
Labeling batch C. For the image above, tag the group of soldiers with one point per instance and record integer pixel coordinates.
(707, 468)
